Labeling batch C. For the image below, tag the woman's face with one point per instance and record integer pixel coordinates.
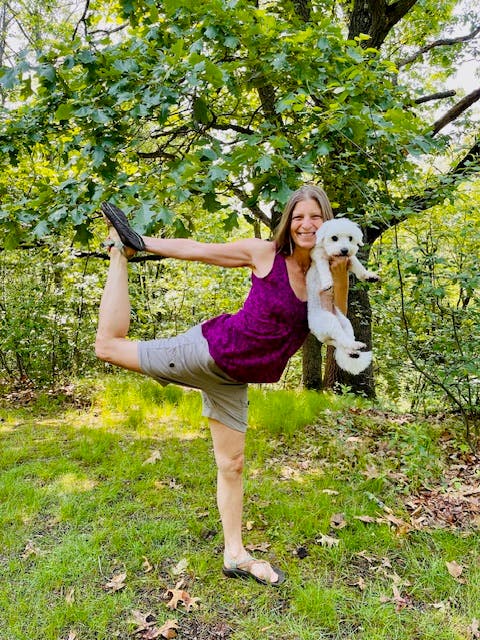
(307, 218)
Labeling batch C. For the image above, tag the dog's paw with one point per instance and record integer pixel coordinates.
(355, 346)
(371, 276)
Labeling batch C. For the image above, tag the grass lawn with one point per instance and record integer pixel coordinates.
(108, 516)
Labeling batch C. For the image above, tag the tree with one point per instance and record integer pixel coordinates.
(230, 104)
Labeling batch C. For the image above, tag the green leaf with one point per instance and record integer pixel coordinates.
(201, 111)
(63, 112)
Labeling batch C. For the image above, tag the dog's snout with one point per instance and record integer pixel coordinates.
(344, 251)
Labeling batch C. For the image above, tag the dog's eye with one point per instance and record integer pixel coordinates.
(334, 238)
(350, 238)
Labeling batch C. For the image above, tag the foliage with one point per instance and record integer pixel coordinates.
(432, 318)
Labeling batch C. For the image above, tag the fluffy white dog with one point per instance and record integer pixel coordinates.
(338, 237)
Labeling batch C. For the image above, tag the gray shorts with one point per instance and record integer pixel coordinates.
(186, 360)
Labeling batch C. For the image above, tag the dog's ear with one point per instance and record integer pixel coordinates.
(321, 233)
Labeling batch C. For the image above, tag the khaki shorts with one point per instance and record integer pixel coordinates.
(185, 360)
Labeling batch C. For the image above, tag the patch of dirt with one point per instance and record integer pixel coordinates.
(197, 629)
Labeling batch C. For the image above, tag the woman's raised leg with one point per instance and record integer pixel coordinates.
(112, 344)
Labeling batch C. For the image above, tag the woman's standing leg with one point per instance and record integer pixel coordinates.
(229, 446)
(111, 343)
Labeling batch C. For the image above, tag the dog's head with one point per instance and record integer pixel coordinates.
(339, 237)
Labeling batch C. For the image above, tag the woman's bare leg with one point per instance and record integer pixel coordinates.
(111, 343)
(229, 446)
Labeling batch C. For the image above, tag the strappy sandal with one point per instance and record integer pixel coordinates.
(243, 569)
(119, 222)
(110, 242)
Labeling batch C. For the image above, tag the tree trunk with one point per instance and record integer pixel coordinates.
(312, 363)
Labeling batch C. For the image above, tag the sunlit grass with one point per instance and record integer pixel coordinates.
(127, 485)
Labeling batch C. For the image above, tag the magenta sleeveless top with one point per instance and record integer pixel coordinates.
(254, 345)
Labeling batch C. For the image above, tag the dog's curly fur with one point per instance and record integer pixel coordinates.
(338, 237)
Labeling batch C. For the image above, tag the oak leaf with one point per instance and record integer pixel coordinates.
(178, 596)
(337, 521)
(116, 583)
(327, 541)
(454, 569)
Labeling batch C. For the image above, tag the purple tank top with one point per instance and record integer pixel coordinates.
(254, 345)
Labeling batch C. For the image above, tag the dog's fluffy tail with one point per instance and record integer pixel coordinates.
(352, 361)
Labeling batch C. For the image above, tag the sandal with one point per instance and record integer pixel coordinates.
(243, 569)
(110, 242)
(118, 220)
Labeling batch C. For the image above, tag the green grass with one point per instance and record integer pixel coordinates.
(79, 505)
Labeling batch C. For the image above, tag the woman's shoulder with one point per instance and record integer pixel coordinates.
(263, 256)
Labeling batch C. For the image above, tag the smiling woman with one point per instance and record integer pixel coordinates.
(222, 355)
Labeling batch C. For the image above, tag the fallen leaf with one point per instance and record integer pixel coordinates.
(70, 596)
(368, 519)
(147, 567)
(116, 583)
(141, 620)
(72, 635)
(249, 525)
(180, 567)
(30, 550)
(454, 569)
(155, 455)
(473, 629)
(330, 492)
(169, 629)
(179, 596)
(327, 541)
(337, 521)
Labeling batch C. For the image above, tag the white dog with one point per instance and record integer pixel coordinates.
(338, 237)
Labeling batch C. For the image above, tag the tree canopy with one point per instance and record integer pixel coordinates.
(176, 110)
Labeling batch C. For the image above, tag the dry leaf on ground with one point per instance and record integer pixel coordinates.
(70, 596)
(473, 629)
(147, 567)
(327, 541)
(178, 596)
(454, 569)
(180, 567)
(116, 583)
(155, 455)
(337, 521)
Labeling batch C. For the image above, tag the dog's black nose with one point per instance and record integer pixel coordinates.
(344, 252)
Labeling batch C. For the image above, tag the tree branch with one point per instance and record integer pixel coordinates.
(82, 20)
(443, 42)
(436, 96)
(254, 208)
(453, 113)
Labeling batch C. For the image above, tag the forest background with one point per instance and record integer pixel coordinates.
(200, 121)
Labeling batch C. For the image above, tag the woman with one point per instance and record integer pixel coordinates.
(222, 355)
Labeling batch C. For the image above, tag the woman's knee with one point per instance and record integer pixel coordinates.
(231, 466)
(103, 348)
(118, 351)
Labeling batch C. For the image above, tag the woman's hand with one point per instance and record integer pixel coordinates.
(339, 268)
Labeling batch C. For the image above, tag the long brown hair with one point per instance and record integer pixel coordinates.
(282, 236)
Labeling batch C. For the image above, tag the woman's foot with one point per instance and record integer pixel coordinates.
(249, 567)
(118, 220)
(114, 244)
